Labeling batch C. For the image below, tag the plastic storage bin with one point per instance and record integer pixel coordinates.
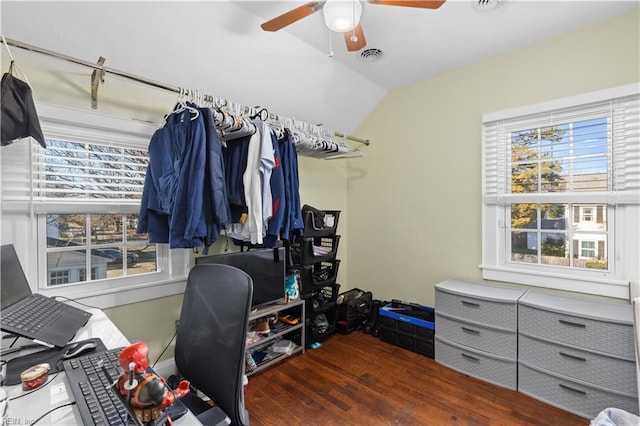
(320, 225)
(321, 325)
(308, 251)
(318, 275)
(321, 313)
(321, 300)
(409, 332)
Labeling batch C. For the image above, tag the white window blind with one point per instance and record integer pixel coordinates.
(88, 171)
(622, 155)
(89, 167)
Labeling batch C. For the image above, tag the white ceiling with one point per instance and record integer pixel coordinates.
(219, 48)
(420, 43)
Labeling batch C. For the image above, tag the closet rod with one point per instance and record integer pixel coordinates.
(129, 76)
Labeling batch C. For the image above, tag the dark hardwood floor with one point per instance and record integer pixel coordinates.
(357, 379)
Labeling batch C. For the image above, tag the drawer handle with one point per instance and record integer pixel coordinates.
(470, 330)
(577, 358)
(569, 388)
(573, 324)
(472, 304)
(472, 358)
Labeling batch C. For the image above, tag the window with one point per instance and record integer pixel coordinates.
(79, 199)
(586, 214)
(107, 243)
(94, 174)
(58, 277)
(588, 249)
(561, 193)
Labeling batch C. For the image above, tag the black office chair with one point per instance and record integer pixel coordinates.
(211, 339)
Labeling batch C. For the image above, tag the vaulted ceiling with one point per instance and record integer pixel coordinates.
(218, 47)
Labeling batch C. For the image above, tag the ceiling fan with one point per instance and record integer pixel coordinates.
(342, 16)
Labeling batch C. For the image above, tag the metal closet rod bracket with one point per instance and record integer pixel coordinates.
(97, 77)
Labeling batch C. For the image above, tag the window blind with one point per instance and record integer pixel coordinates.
(622, 154)
(92, 168)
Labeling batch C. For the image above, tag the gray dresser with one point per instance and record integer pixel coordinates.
(576, 354)
(477, 330)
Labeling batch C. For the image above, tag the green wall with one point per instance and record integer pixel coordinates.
(415, 200)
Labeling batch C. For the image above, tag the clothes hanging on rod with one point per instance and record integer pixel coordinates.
(211, 99)
(183, 200)
(197, 187)
(266, 199)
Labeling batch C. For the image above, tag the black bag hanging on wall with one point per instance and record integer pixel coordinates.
(19, 116)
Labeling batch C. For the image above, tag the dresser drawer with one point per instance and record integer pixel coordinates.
(598, 335)
(490, 368)
(492, 340)
(612, 373)
(488, 312)
(570, 395)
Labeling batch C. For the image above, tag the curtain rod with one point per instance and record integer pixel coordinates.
(143, 80)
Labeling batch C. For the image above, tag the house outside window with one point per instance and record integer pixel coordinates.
(79, 199)
(561, 186)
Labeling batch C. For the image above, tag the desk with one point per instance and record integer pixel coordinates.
(23, 411)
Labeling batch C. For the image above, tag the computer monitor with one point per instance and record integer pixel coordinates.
(266, 267)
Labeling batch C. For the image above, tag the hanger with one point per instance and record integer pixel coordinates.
(276, 126)
(242, 127)
(262, 114)
(184, 96)
(14, 63)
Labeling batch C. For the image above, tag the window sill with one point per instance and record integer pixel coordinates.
(604, 286)
(109, 298)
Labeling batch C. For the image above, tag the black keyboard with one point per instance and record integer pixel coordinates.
(97, 402)
(34, 314)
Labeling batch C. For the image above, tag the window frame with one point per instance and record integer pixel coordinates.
(173, 265)
(622, 216)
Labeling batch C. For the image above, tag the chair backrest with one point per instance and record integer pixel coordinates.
(212, 331)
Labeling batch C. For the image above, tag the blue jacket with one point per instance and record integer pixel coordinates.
(172, 199)
(235, 163)
(215, 202)
(293, 224)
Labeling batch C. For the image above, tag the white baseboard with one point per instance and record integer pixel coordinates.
(166, 368)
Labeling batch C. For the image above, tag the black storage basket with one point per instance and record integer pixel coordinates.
(415, 333)
(307, 251)
(315, 226)
(316, 331)
(322, 300)
(318, 275)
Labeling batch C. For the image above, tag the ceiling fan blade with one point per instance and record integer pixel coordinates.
(292, 16)
(423, 4)
(360, 41)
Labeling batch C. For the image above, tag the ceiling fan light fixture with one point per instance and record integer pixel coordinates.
(342, 15)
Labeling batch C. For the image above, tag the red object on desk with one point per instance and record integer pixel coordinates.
(146, 392)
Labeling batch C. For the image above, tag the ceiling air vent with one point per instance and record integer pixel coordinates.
(485, 5)
(371, 55)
